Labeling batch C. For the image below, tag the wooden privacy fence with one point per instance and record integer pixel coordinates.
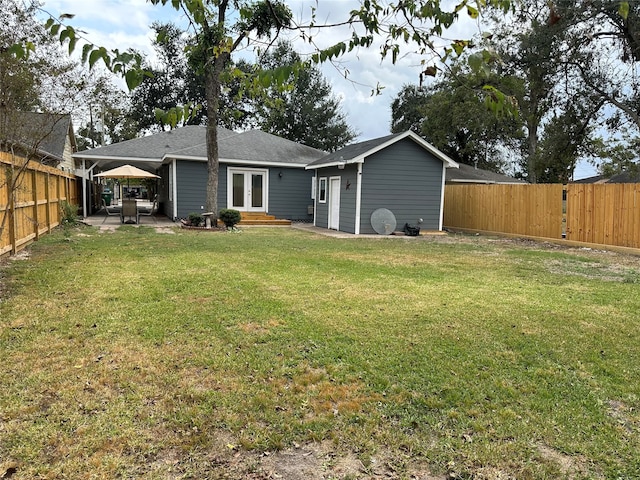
(532, 210)
(604, 214)
(607, 214)
(33, 208)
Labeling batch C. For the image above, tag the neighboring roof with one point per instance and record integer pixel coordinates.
(357, 152)
(624, 177)
(44, 133)
(255, 147)
(469, 174)
(594, 179)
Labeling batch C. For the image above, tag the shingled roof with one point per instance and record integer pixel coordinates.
(624, 177)
(469, 174)
(189, 143)
(254, 146)
(43, 134)
(152, 147)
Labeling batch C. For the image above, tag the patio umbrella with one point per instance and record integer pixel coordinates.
(126, 171)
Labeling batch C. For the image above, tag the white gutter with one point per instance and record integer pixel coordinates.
(358, 160)
(115, 158)
(257, 164)
(358, 198)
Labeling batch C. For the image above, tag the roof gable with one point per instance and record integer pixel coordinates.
(357, 152)
(45, 134)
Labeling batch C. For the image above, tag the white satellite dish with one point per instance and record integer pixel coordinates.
(383, 221)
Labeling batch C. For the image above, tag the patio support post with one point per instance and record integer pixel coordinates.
(442, 185)
(84, 188)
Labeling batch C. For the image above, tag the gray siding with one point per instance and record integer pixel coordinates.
(290, 194)
(164, 206)
(191, 186)
(348, 189)
(322, 209)
(405, 179)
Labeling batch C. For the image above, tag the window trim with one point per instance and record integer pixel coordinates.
(322, 192)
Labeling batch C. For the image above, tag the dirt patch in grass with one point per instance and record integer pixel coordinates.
(4, 261)
(313, 461)
(570, 466)
(319, 461)
(626, 416)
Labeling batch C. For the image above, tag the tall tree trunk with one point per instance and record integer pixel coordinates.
(212, 91)
(532, 150)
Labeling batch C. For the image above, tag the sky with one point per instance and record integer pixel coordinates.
(126, 24)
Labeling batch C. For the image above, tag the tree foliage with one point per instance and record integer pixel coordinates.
(452, 115)
(220, 27)
(172, 83)
(569, 59)
(306, 111)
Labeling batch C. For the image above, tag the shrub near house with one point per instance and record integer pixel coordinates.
(230, 217)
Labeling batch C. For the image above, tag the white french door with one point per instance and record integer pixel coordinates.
(247, 189)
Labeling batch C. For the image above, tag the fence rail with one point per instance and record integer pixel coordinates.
(605, 214)
(32, 208)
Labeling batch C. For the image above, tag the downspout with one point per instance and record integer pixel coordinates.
(358, 197)
(444, 176)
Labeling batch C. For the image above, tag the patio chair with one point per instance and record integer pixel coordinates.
(154, 208)
(109, 212)
(129, 209)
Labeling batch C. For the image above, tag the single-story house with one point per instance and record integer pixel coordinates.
(258, 172)
(395, 179)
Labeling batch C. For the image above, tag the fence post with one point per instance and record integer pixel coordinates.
(48, 195)
(12, 210)
(34, 195)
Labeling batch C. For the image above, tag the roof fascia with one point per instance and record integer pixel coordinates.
(356, 160)
(111, 158)
(168, 158)
(449, 163)
(483, 182)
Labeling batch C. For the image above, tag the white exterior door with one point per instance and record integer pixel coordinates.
(247, 190)
(334, 203)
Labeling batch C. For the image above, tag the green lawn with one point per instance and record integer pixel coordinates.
(138, 354)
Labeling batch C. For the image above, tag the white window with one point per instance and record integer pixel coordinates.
(322, 190)
(313, 188)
